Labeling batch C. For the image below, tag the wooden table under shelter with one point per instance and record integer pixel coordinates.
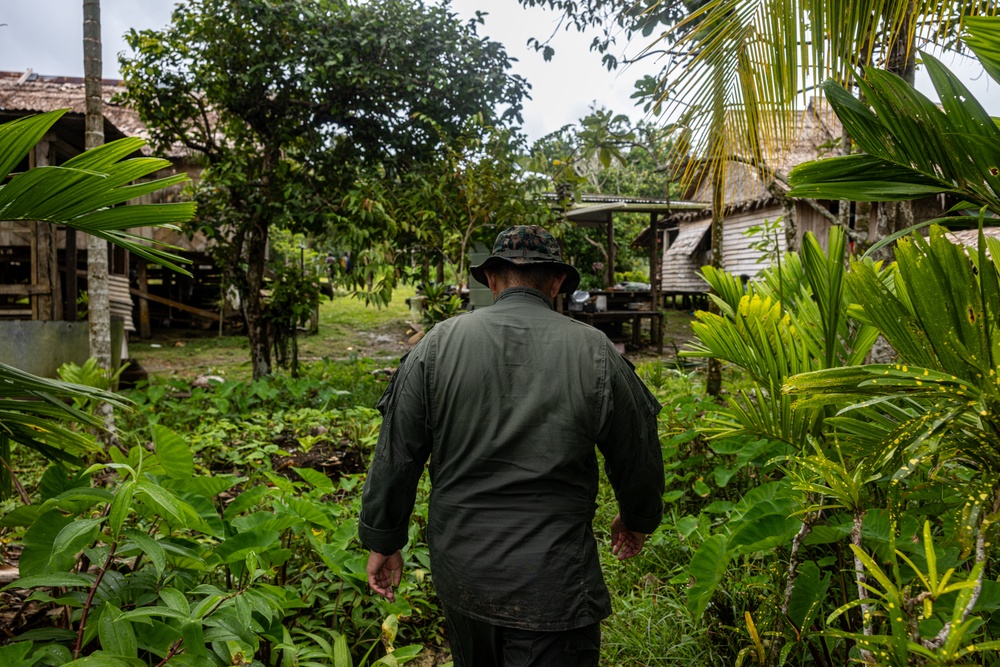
(625, 307)
(596, 211)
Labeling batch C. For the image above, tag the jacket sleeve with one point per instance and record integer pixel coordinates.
(633, 458)
(404, 443)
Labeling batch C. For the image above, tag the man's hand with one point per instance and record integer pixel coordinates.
(624, 542)
(384, 573)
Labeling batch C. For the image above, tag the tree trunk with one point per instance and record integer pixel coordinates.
(253, 300)
(98, 301)
(713, 372)
(891, 217)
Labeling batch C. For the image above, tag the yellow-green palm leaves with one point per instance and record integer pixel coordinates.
(940, 403)
(776, 329)
(741, 67)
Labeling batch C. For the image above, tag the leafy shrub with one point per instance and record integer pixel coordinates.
(158, 564)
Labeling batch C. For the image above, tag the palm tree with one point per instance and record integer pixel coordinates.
(764, 55)
(912, 147)
(83, 194)
(98, 297)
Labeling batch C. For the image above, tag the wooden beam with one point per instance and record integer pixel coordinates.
(72, 285)
(208, 315)
(612, 255)
(46, 305)
(24, 290)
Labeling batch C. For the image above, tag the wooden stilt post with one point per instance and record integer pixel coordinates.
(46, 305)
(143, 279)
(611, 250)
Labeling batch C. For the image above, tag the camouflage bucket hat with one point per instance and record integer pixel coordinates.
(527, 244)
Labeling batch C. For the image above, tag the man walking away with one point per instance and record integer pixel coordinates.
(508, 403)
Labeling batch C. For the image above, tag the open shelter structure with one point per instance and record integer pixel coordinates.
(43, 268)
(598, 211)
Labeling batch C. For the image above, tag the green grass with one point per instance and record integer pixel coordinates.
(348, 329)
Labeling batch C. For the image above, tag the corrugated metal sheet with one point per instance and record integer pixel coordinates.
(120, 300)
(970, 237)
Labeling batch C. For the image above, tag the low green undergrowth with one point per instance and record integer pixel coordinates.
(235, 543)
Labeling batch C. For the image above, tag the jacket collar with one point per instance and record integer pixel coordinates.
(529, 294)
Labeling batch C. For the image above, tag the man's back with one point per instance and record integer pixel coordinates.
(516, 404)
(509, 403)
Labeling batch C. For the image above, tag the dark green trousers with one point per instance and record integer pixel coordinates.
(480, 644)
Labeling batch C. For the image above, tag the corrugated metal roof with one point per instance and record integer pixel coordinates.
(688, 239)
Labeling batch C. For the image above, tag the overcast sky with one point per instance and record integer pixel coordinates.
(47, 36)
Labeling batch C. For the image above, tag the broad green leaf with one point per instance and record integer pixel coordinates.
(38, 542)
(207, 487)
(807, 595)
(105, 659)
(194, 638)
(207, 514)
(116, 633)
(247, 500)
(237, 547)
(120, 506)
(63, 579)
(308, 510)
(762, 531)
(57, 480)
(165, 503)
(175, 599)
(707, 568)
(150, 547)
(173, 452)
(155, 611)
(71, 539)
(16, 655)
(315, 478)
(22, 515)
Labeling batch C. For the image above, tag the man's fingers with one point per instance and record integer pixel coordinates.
(384, 573)
(382, 587)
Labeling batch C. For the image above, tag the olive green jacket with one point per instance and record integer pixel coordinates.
(508, 403)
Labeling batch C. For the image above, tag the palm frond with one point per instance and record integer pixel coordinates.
(745, 66)
(913, 148)
(86, 193)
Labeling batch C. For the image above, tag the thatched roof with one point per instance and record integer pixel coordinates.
(815, 126)
(28, 92)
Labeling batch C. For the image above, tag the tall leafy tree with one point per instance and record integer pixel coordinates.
(290, 101)
(435, 212)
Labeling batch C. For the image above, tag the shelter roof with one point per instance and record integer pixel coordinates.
(815, 127)
(596, 209)
(24, 93)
